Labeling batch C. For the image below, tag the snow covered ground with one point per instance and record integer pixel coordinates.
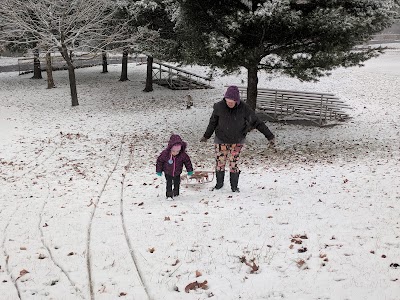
(83, 214)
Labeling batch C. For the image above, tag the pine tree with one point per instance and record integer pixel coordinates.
(301, 38)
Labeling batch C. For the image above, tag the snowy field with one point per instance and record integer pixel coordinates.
(83, 215)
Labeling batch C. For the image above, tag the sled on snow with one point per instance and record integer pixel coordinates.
(198, 177)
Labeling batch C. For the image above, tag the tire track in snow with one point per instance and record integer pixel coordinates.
(128, 241)
(37, 164)
(7, 255)
(17, 208)
(41, 151)
(88, 245)
(63, 271)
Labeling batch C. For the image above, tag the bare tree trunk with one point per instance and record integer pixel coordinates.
(71, 74)
(72, 85)
(104, 57)
(149, 75)
(252, 82)
(37, 71)
(49, 71)
(124, 72)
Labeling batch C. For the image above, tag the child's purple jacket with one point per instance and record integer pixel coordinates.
(178, 161)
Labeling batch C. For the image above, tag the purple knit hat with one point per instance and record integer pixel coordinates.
(233, 93)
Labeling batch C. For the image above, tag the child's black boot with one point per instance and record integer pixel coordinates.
(169, 195)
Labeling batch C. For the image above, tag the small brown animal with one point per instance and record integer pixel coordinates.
(189, 101)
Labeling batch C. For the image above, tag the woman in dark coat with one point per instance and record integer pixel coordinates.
(231, 120)
(171, 161)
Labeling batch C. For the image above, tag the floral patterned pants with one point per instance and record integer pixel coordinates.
(225, 152)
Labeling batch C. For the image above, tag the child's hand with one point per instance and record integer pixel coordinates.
(159, 173)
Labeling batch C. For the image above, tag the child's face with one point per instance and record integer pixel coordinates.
(175, 152)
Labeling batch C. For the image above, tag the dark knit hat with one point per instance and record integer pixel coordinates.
(232, 93)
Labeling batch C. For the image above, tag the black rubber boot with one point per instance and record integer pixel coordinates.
(234, 177)
(169, 194)
(220, 179)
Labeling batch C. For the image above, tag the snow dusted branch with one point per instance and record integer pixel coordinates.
(65, 25)
(76, 24)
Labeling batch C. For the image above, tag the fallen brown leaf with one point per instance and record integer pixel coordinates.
(300, 263)
(22, 273)
(252, 265)
(195, 285)
(175, 263)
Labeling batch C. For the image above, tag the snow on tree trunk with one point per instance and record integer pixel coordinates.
(124, 71)
(252, 82)
(49, 71)
(149, 75)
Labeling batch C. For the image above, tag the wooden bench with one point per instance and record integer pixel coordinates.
(281, 105)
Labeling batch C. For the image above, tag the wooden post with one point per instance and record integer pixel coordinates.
(276, 103)
(320, 110)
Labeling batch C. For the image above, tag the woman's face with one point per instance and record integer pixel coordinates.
(231, 103)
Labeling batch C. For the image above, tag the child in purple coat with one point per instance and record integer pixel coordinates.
(171, 161)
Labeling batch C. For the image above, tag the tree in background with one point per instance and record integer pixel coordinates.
(63, 25)
(301, 38)
(156, 37)
(37, 70)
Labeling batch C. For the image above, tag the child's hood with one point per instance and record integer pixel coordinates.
(174, 140)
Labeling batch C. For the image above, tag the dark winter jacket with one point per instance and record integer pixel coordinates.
(232, 124)
(176, 166)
